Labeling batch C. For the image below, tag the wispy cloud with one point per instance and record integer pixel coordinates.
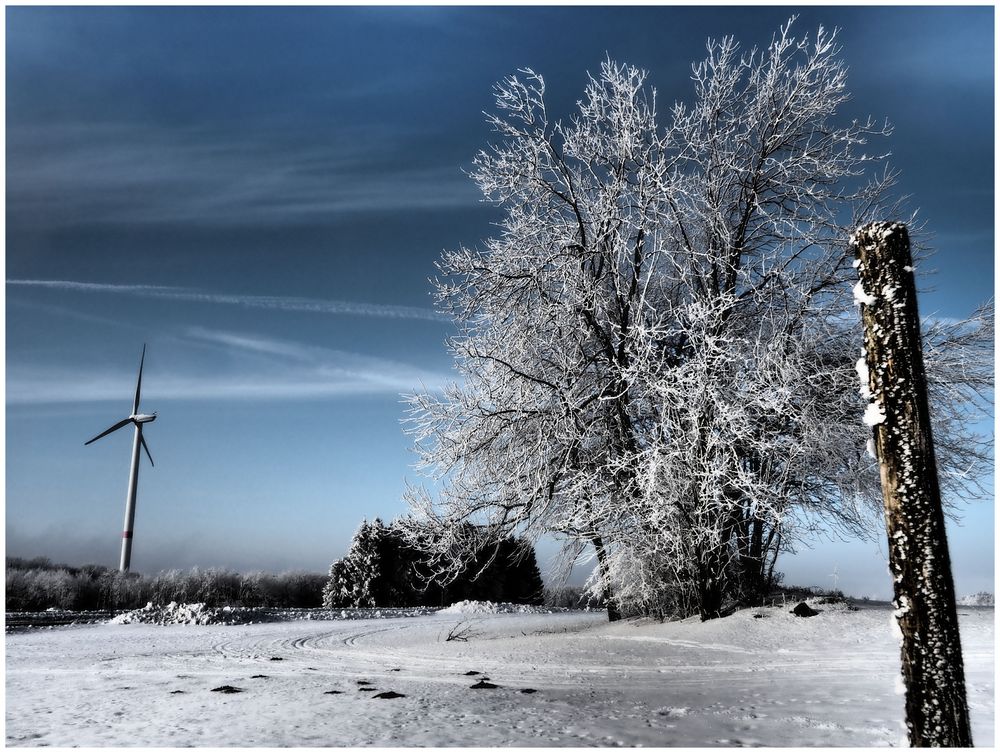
(254, 367)
(278, 303)
(68, 174)
(351, 372)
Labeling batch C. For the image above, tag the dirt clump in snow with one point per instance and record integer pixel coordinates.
(227, 689)
(804, 610)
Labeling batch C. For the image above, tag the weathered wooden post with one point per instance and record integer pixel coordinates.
(937, 713)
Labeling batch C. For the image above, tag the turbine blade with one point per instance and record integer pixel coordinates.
(105, 433)
(142, 441)
(138, 383)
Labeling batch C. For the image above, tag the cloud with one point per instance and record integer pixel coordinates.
(342, 371)
(279, 303)
(253, 368)
(69, 174)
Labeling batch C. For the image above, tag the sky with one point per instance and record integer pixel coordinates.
(259, 195)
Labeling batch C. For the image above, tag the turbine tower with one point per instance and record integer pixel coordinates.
(138, 419)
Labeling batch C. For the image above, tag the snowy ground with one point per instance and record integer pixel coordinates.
(777, 680)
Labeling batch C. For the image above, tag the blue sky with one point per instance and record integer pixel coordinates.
(260, 194)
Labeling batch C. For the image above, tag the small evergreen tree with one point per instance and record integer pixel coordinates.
(351, 578)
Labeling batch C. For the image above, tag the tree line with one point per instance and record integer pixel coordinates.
(37, 584)
(380, 569)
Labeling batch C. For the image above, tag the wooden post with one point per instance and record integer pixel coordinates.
(937, 713)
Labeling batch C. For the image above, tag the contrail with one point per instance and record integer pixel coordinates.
(278, 303)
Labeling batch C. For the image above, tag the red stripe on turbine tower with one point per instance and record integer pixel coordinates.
(126, 534)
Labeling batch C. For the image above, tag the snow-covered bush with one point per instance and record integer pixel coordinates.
(386, 566)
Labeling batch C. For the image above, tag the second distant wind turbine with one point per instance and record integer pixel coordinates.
(137, 419)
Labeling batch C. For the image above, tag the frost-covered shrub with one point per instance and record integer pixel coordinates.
(571, 597)
(295, 588)
(979, 599)
(38, 584)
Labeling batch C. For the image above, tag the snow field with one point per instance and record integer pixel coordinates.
(774, 680)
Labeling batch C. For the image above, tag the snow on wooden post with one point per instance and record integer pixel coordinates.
(937, 713)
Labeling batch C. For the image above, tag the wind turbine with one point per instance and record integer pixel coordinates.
(138, 419)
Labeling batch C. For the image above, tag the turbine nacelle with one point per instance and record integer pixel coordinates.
(136, 418)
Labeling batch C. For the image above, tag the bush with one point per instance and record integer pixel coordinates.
(383, 569)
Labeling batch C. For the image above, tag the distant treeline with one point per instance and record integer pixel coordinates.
(37, 584)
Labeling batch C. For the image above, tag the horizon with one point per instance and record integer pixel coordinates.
(218, 183)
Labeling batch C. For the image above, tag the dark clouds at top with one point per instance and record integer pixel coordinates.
(274, 116)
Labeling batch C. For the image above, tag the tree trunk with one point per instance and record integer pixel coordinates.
(752, 566)
(937, 713)
(713, 566)
(710, 595)
(710, 585)
(602, 570)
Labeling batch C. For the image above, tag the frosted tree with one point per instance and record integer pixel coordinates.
(758, 441)
(549, 313)
(657, 349)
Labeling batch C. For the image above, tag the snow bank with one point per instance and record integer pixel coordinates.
(179, 614)
(200, 614)
(489, 607)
